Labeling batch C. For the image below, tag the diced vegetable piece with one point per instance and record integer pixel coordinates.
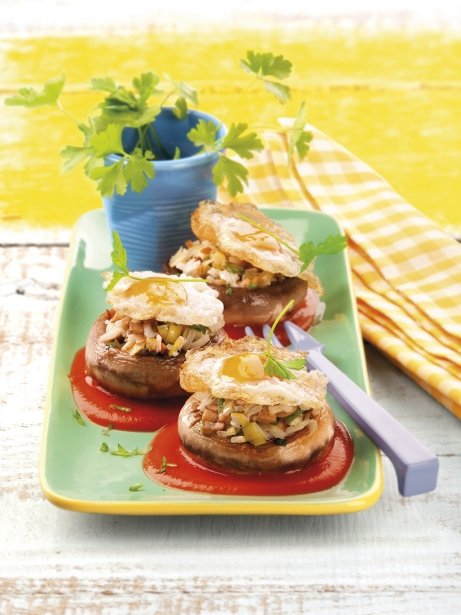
(240, 417)
(254, 433)
(178, 344)
(174, 331)
(163, 330)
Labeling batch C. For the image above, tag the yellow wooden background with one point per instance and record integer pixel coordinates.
(391, 97)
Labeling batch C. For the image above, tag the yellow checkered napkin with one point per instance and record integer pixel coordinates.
(406, 270)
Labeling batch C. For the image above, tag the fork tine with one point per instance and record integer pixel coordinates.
(300, 339)
(275, 340)
(266, 330)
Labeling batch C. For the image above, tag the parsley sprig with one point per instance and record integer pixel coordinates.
(270, 70)
(136, 106)
(308, 250)
(120, 262)
(238, 140)
(277, 367)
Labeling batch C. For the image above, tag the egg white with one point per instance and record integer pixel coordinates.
(201, 305)
(203, 371)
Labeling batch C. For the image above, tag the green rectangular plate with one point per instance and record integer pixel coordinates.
(77, 476)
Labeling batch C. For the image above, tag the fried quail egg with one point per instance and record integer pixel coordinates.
(146, 295)
(235, 370)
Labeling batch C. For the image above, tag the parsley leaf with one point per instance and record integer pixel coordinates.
(264, 65)
(230, 172)
(276, 367)
(204, 135)
(295, 364)
(332, 245)
(127, 107)
(30, 97)
(107, 141)
(242, 144)
(118, 254)
(146, 85)
(136, 487)
(227, 171)
(104, 448)
(180, 108)
(73, 156)
(298, 138)
(110, 177)
(119, 259)
(308, 250)
(138, 170)
(280, 91)
(78, 417)
(184, 91)
(104, 84)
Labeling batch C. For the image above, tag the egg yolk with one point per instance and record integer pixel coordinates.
(243, 367)
(158, 290)
(260, 240)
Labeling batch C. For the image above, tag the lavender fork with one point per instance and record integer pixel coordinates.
(416, 467)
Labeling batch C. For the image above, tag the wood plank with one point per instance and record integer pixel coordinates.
(403, 554)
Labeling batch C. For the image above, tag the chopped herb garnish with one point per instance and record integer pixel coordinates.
(78, 417)
(233, 268)
(104, 448)
(121, 451)
(280, 441)
(165, 465)
(200, 328)
(136, 487)
(289, 419)
(276, 367)
(106, 430)
(220, 404)
(229, 290)
(121, 408)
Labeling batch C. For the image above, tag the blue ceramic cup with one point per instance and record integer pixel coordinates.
(153, 224)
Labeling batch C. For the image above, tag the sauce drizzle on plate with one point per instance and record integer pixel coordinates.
(170, 464)
(107, 409)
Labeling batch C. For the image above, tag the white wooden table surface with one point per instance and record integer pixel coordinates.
(401, 556)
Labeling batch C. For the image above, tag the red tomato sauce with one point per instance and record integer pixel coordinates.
(189, 473)
(107, 409)
(302, 317)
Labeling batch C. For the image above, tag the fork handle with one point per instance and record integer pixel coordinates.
(416, 467)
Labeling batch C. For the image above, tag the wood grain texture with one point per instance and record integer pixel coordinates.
(401, 556)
